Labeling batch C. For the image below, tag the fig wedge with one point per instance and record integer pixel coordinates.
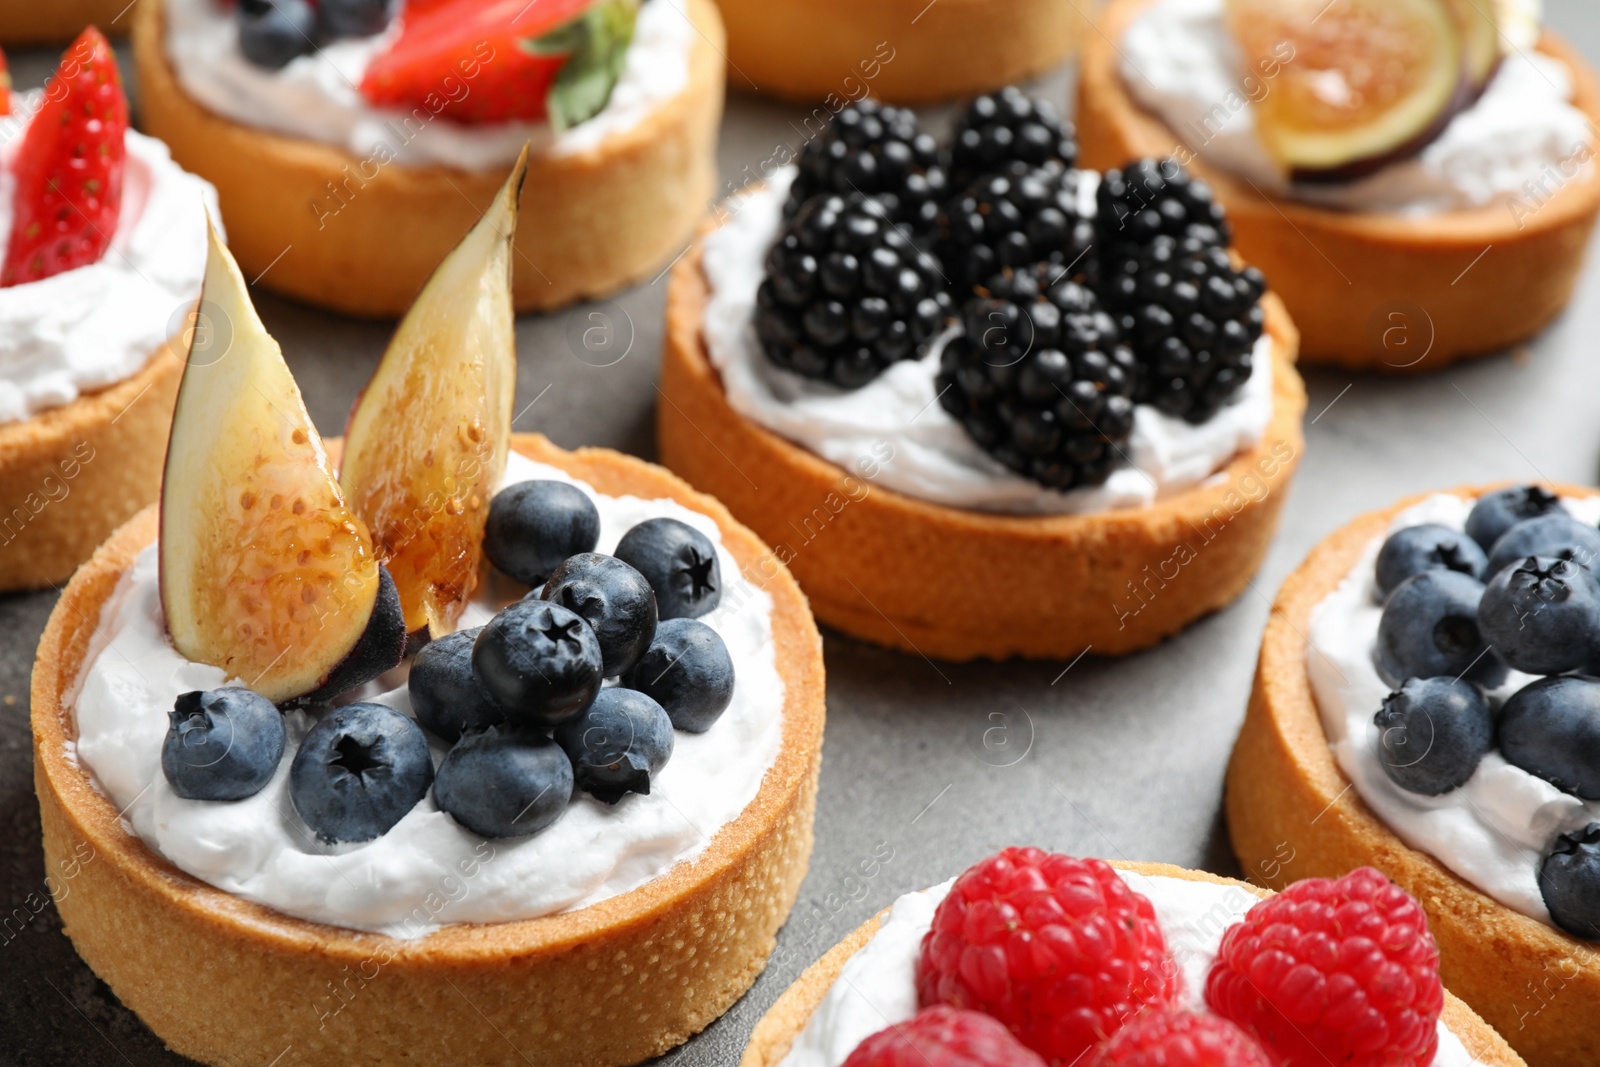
(1479, 21)
(265, 572)
(1369, 81)
(426, 443)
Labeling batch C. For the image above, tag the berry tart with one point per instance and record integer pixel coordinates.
(1414, 177)
(353, 142)
(562, 831)
(897, 360)
(1426, 703)
(59, 20)
(1031, 959)
(105, 248)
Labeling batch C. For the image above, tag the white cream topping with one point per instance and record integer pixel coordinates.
(92, 327)
(318, 96)
(1493, 831)
(877, 987)
(893, 430)
(1518, 143)
(428, 870)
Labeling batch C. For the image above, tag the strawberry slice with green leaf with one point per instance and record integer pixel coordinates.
(69, 167)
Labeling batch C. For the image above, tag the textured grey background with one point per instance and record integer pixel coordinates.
(1107, 758)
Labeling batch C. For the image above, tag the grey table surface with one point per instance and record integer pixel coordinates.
(926, 767)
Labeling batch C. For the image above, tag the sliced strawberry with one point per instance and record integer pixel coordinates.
(69, 167)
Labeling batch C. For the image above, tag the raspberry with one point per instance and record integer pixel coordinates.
(1339, 972)
(1058, 949)
(944, 1037)
(1179, 1039)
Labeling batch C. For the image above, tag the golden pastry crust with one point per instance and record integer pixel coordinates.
(23, 22)
(361, 235)
(904, 51)
(71, 475)
(607, 985)
(775, 1033)
(1293, 814)
(1114, 582)
(1373, 291)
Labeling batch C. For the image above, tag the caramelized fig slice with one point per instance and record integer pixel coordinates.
(426, 443)
(265, 572)
(1367, 82)
(1479, 21)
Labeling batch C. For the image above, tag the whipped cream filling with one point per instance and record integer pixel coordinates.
(428, 870)
(877, 987)
(1493, 831)
(893, 431)
(92, 327)
(1518, 143)
(318, 97)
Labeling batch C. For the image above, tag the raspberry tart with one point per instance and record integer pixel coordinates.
(1435, 204)
(354, 142)
(564, 830)
(102, 267)
(1424, 704)
(1030, 958)
(897, 359)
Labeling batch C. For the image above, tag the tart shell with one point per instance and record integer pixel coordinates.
(1373, 291)
(607, 985)
(361, 236)
(71, 475)
(59, 21)
(880, 565)
(783, 1022)
(1293, 814)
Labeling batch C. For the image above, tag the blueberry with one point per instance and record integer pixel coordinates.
(359, 770)
(1551, 728)
(222, 745)
(1433, 734)
(1426, 548)
(539, 662)
(618, 744)
(679, 562)
(1548, 535)
(614, 599)
(504, 783)
(1543, 615)
(1430, 627)
(1569, 880)
(687, 670)
(355, 18)
(445, 694)
(273, 32)
(1497, 512)
(533, 526)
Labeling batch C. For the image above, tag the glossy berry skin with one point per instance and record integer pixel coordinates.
(355, 18)
(445, 694)
(878, 151)
(1179, 1038)
(1558, 535)
(1059, 949)
(504, 783)
(1006, 127)
(1433, 733)
(679, 562)
(359, 771)
(1497, 512)
(534, 526)
(618, 745)
(614, 599)
(1016, 219)
(1149, 197)
(1569, 880)
(224, 744)
(943, 1037)
(1551, 728)
(539, 662)
(272, 33)
(1427, 547)
(1542, 615)
(1333, 971)
(687, 670)
(1429, 628)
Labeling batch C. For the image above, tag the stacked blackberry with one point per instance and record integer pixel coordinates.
(876, 151)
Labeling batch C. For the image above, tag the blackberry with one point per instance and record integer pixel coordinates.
(847, 293)
(1041, 380)
(1008, 127)
(1017, 220)
(1149, 197)
(876, 150)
